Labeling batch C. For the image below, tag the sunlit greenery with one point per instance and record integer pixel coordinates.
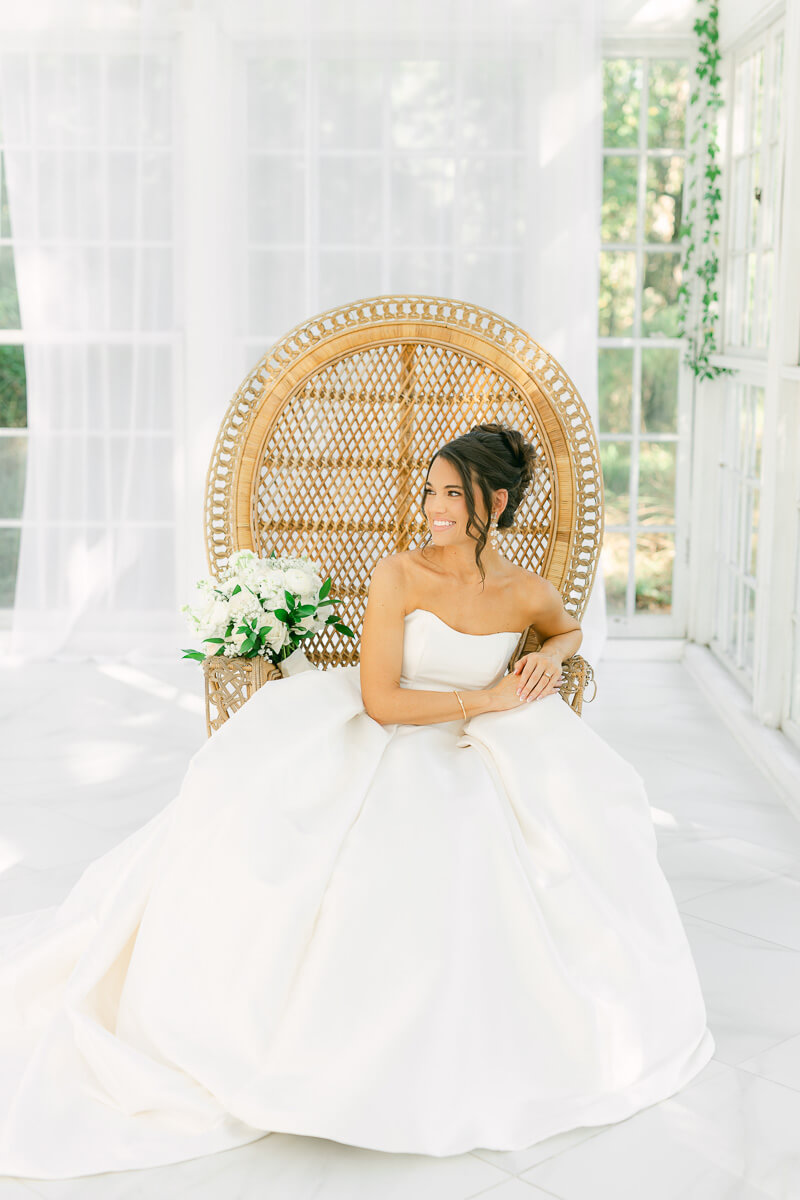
(663, 198)
(657, 461)
(618, 222)
(655, 556)
(659, 389)
(617, 284)
(13, 398)
(614, 559)
(9, 552)
(616, 462)
(615, 374)
(9, 301)
(622, 89)
(660, 294)
(668, 94)
(12, 475)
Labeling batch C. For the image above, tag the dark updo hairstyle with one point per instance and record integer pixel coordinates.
(495, 457)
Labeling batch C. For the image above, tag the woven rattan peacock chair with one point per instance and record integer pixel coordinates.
(325, 445)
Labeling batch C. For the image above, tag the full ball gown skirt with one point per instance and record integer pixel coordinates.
(414, 938)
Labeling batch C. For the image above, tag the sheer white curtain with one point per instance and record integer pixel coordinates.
(186, 183)
(89, 142)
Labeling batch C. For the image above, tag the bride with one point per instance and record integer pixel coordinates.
(412, 905)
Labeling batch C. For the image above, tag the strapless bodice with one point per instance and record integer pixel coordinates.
(437, 657)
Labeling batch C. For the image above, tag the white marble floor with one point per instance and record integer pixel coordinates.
(91, 751)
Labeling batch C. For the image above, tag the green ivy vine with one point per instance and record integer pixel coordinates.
(698, 298)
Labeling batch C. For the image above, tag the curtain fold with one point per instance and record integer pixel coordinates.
(346, 149)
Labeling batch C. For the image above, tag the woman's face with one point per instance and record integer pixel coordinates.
(445, 504)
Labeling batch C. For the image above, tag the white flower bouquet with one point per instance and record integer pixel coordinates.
(262, 607)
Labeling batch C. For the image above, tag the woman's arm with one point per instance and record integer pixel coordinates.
(382, 661)
(561, 635)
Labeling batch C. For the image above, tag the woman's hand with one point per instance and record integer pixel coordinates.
(528, 681)
(539, 674)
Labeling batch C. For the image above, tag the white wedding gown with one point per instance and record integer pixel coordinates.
(415, 938)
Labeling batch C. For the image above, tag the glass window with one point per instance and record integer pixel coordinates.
(644, 160)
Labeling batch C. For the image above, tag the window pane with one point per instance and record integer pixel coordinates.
(351, 214)
(759, 97)
(659, 390)
(614, 564)
(501, 125)
(422, 104)
(662, 215)
(276, 196)
(758, 429)
(276, 291)
(752, 558)
(749, 627)
(9, 553)
(5, 218)
(493, 205)
(13, 394)
(615, 458)
(657, 482)
(350, 109)
(12, 475)
(668, 92)
(344, 274)
(660, 293)
(275, 96)
(619, 198)
(617, 278)
(9, 303)
(422, 189)
(655, 555)
(615, 372)
(622, 87)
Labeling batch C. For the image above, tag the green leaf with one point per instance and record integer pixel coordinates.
(215, 639)
(195, 654)
(326, 587)
(341, 628)
(238, 588)
(305, 610)
(291, 600)
(282, 615)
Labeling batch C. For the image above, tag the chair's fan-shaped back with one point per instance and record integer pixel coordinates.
(325, 446)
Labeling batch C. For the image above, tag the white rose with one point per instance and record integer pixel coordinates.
(239, 604)
(278, 636)
(298, 581)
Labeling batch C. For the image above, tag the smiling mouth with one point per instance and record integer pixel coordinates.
(443, 524)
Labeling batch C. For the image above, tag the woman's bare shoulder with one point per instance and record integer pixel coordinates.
(534, 591)
(390, 575)
(405, 564)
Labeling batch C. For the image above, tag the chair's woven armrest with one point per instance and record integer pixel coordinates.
(578, 674)
(230, 682)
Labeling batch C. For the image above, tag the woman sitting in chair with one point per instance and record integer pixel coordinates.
(412, 905)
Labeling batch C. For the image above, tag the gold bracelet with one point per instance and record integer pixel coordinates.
(461, 702)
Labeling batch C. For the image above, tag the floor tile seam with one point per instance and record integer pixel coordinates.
(745, 933)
